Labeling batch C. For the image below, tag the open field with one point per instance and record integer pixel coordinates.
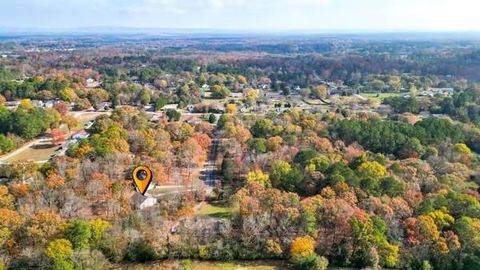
(202, 265)
(217, 210)
(381, 96)
(84, 117)
(37, 153)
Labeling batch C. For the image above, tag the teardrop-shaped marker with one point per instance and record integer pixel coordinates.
(142, 176)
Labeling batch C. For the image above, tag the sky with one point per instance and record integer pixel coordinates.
(256, 15)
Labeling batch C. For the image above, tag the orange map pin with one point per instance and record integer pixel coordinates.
(142, 176)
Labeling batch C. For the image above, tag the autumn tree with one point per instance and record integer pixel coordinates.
(60, 252)
(144, 97)
(251, 95)
(241, 79)
(274, 143)
(61, 107)
(54, 181)
(68, 95)
(25, 104)
(10, 219)
(231, 108)
(302, 246)
(286, 177)
(395, 83)
(372, 169)
(257, 176)
(319, 91)
(43, 225)
(78, 233)
(58, 136)
(219, 91)
(70, 121)
(98, 229)
(378, 85)
(191, 153)
(302, 252)
(6, 199)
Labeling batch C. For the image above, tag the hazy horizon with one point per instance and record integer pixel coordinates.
(245, 16)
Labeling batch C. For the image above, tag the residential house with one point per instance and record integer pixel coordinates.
(237, 95)
(91, 83)
(170, 107)
(443, 91)
(142, 202)
(80, 135)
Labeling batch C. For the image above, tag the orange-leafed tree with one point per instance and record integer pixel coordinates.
(191, 153)
(99, 187)
(203, 140)
(19, 190)
(10, 219)
(43, 225)
(58, 136)
(61, 107)
(274, 143)
(54, 181)
(6, 199)
(302, 246)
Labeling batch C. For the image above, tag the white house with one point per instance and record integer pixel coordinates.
(265, 86)
(445, 91)
(237, 95)
(91, 83)
(207, 94)
(170, 107)
(141, 202)
(49, 103)
(12, 104)
(80, 135)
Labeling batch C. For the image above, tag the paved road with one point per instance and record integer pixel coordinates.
(210, 170)
(209, 175)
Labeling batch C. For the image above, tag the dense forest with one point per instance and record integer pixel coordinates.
(329, 151)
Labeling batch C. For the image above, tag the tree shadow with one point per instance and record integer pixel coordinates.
(42, 146)
(221, 215)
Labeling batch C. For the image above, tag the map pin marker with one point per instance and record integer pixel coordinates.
(142, 176)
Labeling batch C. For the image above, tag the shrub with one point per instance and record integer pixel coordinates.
(140, 252)
(212, 118)
(310, 262)
(79, 233)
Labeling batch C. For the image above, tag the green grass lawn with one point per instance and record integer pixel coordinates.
(206, 265)
(84, 119)
(216, 210)
(210, 265)
(196, 265)
(40, 152)
(381, 96)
